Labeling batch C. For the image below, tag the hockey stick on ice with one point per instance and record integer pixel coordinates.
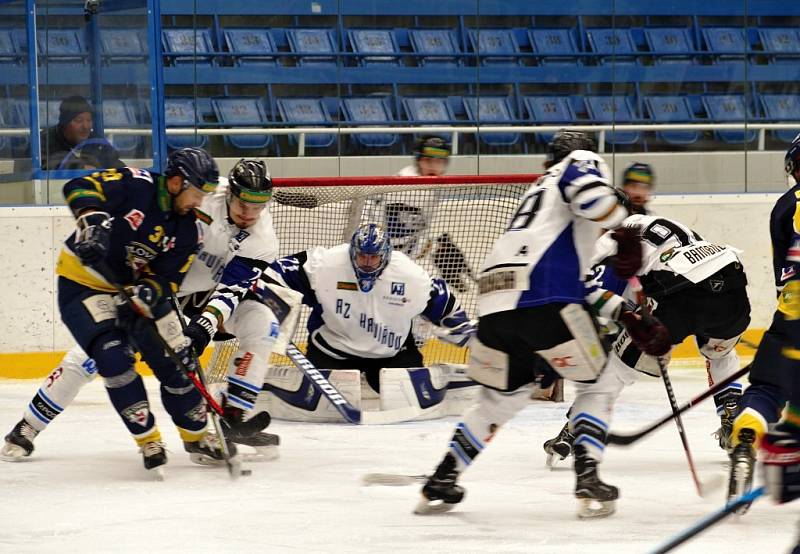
(348, 411)
(392, 479)
(709, 520)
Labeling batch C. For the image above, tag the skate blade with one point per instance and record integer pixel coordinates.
(428, 507)
(261, 454)
(13, 453)
(589, 508)
(203, 460)
(157, 473)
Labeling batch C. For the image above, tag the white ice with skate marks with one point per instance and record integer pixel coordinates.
(84, 488)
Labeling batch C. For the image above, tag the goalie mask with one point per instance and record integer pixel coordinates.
(564, 142)
(370, 252)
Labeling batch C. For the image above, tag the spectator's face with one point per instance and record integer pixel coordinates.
(244, 214)
(79, 129)
(638, 193)
(432, 167)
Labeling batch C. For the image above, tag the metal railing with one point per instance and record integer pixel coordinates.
(453, 130)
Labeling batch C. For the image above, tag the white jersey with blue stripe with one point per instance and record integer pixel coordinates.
(545, 252)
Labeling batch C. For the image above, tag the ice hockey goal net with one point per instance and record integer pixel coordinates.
(446, 224)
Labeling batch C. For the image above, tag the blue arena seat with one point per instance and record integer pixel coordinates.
(8, 50)
(183, 112)
(495, 46)
(724, 108)
(492, 110)
(613, 109)
(251, 46)
(670, 45)
(187, 46)
(614, 45)
(556, 46)
(672, 109)
(548, 110)
(374, 46)
(313, 46)
(307, 112)
(781, 44)
(117, 113)
(61, 45)
(122, 45)
(369, 110)
(439, 46)
(242, 112)
(429, 109)
(782, 108)
(729, 43)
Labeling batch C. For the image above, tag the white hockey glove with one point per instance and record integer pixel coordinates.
(458, 335)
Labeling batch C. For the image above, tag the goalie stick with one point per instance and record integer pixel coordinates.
(709, 520)
(626, 439)
(348, 411)
(234, 465)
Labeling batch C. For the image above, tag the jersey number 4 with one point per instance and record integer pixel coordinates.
(527, 211)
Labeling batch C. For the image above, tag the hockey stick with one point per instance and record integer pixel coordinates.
(348, 411)
(623, 439)
(391, 479)
(709, 520)
(234, 466)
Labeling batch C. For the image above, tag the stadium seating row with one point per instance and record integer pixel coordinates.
(430, 110)
(505, 46)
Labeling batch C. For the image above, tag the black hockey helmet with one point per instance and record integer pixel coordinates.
(565, 141)
(196, 167)
(431, 146)
(792, 159)
(250, 181)
(639, 173)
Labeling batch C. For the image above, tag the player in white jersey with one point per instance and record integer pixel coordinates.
(698, 288)
(237, 227)
(533, 325)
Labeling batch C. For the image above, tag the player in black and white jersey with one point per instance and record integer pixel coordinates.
(237, 227)
(698, 288)
(533, 325)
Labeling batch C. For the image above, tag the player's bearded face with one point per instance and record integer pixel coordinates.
(244, 214)
(368, 262)
(188, 199)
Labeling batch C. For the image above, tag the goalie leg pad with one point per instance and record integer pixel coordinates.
(59, 389)
(479, 424)
(436, 391)
(488, 366)
(292, 396)
(629, 353)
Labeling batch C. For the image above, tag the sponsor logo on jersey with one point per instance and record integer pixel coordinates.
(240, 236)
(137, 173)
(274, 329)
(788, 272)
(244, 363)
(667, 255)
(398, 289)
(134, 219)
(346, 285)
(139, 255)
(137, 414)
(563, 361)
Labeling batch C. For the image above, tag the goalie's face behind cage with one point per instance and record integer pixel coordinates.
(370, 252)
(249, 191)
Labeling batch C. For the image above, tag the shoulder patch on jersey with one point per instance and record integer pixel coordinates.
(134, 219)
(203, 217)
(667, 255)
(346, 285)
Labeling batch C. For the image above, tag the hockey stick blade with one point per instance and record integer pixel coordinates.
(709, 520)
(626, 439)
(391, 479)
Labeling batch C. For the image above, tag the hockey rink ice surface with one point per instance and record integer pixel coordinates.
(84, 488)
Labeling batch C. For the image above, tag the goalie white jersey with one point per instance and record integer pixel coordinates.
(348, 323)
(673, 255)
(545, 252)
(224, 241)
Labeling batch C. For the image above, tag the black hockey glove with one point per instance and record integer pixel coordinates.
(628, 259)
(188, 356)
(200, 331)
(147, 300)
(647, 333)
(93, 238)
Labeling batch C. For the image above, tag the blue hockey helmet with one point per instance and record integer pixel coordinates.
(195, 166)
(792, 159)
(371, 243)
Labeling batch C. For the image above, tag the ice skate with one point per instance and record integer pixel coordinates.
(19, 442)
(265, 445)
(595, 498)
(154, 456)
(236, 427)
(441, 493)
(207, 450)
(743, 459)
(559, 447)
(730, 408)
